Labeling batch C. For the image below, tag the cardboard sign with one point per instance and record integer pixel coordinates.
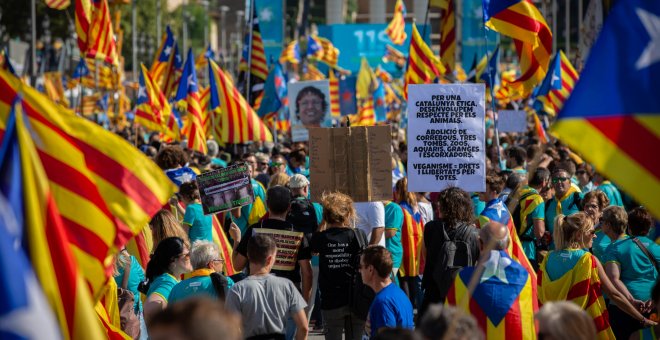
(512, 121)
(309, 107)
(446, 137)
(225, 189)
(356, 161)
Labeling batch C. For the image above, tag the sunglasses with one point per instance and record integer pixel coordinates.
(275, 164)
(592, 232)
(559, 179)
(218, 260)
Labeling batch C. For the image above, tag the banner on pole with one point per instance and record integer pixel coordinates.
(446, 137)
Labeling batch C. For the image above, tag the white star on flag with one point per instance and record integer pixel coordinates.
(37, 312)
(499, 207)
(191, 81)
(167, 51)
(651, 53)
(142, 92)
(495, 266)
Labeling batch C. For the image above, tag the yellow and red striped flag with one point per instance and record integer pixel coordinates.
(334, 94)
(189, 92)
(557, 85)
(423, 66)
(396, 30)
(58, 4)
(104, 189)
(204, 99)
(152, 107)
(366, 115)
(312, 73)
(448, 36)
(523, 22)
(101, 38)
(140, 246)
(47, 240)
(164, 60)
(238, 123)
(322, 49)
(83, 11)
(258, 62)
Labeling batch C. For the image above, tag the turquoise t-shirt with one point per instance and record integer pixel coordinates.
(568, 207)
(637, 272)
(600, 245)
(199, 284)
(162, 286)
(477, 204)
(527, 239)
(135, 276)
(559, 262)
(394, 220)
(201, 227)
(611, 192)
(318, 209)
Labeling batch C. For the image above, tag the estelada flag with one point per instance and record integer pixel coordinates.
(503, 299)
(581, 286)
(619, 131)
(412, 231)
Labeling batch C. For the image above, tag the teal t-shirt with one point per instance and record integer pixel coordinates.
(637, 272)
(611, 192)
(559, 262)
(201, 226)
(600, 245)
(527, 239)
(394, 220)
(318, 210)
(568, 207)
(135, 276)
(199, 284)
(162, 286)
(477, 204)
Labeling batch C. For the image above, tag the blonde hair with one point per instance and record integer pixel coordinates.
(279, 178)
(565, 320)
(338, 209)
(570, 230)
(402, 194)
(164, 225)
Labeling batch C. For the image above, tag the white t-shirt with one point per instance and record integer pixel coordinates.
(370, 215)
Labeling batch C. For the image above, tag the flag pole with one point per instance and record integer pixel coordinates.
(426, 18)
(249, 61)
(33, 36)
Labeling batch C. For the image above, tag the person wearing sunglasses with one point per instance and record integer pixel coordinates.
(206, 279)
(584, 175)
(572, 273)
(170, 260)
(567, 198)
(278, 164)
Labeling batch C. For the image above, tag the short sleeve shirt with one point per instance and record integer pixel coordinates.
(199, 284)
(162, 286)
(201, 226)
(394, 221)
(136, 275)
(370, 215)
(637, 272)
(390, 308)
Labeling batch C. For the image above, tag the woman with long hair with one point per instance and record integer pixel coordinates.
(570, 272)
(412, 231)
(163, 225)
(170, 260)
(338, 249)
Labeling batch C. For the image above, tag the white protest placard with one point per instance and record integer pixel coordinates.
(512, 121)
(446, 137)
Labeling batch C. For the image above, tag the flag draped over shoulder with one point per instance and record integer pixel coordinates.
(238, 123)
(412, 231)
(189, 93)
(152, 109)
(503, 299)
(44, 233)
(103, 188)
(396, 30)
(522, 21)
(581, 286)
(557, 85)
(615, 132)
(101, 38)
(423, 66)
(497, 211)
(448, 35)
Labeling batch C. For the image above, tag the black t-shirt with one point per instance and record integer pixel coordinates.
(336, 248)
(291, 247)
(432, 241)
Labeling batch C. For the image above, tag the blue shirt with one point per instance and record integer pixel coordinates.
(390, 308)
(611, 192)
(135, 276)
(199, 284)
(559, 262)
(477, 204)
(394, 221)
(162, 286)
(568, 207)
(600, 245)
(201, 226)
(637, 272)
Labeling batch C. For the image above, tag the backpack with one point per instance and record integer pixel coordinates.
(453, 255)
(515, 214)
(303, 216)
(128, 320)
(360, 296)
(220, 283)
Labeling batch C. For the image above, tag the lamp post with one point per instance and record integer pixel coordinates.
(223, 25)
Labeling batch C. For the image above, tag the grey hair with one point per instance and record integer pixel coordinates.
(212, 148)
(487, 237)
(202, 253)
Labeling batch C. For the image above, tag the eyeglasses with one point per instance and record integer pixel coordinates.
(263, 163)
(218, 260)
(559, 179)
(275, 164)
(591, 232)
(591, 206)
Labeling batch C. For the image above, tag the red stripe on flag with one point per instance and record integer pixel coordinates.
(527, 23)
(424, 59)
(512, 321)
(571, 73)
(448, 39)
(628, 135)
(478, 314)
(578, 290)
(86, 240)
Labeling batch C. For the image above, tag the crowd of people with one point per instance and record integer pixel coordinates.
(551, 249)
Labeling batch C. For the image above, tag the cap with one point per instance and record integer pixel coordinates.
(298, 181)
